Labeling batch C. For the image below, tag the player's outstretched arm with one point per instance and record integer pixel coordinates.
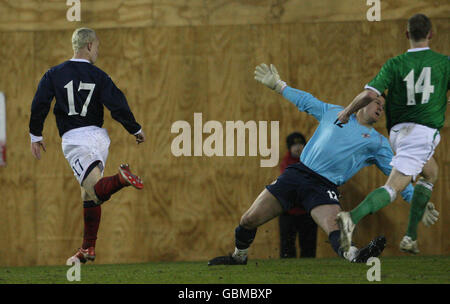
(40, 107)
(360, 101)
(113, 98)
(269, 77)
(304, 101)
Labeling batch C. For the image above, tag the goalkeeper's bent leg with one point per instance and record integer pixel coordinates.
(334, 238)
(421, 196)
(244, 237)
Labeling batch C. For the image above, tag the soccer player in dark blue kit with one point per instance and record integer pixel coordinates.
(81, 90)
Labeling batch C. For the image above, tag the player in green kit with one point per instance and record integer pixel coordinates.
(417, 83)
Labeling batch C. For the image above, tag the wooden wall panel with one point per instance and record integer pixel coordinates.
(17, 190)
(26, 15)
(190, 205)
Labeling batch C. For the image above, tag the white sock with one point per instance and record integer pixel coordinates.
(391, 191)
(351, 253)
(240, 254)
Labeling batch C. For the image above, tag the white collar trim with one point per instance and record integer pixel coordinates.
(419, 49)
(80, 60)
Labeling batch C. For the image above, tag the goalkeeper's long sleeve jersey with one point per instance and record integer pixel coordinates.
(339, 151)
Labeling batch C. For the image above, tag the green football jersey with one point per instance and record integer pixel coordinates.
(417, 83)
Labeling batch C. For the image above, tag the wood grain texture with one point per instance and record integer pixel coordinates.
(17, 191)
(38, 15)
(190, 206)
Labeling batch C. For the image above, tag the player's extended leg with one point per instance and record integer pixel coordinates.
(101, 188)
(95, 190)
(91, 214)
(421, 197)
(325, 217)
(373, 202)
(263, 209)
(382, 196)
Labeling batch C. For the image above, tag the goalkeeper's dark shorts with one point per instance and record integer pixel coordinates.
(299, 186)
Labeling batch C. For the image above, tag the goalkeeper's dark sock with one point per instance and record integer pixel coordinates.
(91, 214)
(244, 237)
(373, 202)
(421, 196)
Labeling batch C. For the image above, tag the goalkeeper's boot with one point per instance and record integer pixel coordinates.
(83, 255)
(228, 260)
(408, 245)
(129, 179)
(374, 249)
(346, 227)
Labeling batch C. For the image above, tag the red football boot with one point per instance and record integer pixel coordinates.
(129, 178)
(90, 254)
(83, 255)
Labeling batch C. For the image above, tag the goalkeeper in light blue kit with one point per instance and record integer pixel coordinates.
(331, 157)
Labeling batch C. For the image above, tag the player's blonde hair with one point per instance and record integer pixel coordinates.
(81, 37)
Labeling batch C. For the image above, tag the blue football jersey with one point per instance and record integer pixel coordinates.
(80, 90)
(337, 152)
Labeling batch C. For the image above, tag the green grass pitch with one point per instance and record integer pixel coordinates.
(403, 270)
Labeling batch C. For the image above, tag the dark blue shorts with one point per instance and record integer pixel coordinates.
(299, 186)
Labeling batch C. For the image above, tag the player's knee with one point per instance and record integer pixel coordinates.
(328, 223)
(430, 171)
(325, 217)
(433, 179)
(431, 176)
(84, 195)
(89, 194)
(331, 223)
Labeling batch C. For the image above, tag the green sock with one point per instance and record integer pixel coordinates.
(419, 201)
(373, 202)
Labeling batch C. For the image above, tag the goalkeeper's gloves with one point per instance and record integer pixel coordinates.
(431, 215)
(269, 77)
